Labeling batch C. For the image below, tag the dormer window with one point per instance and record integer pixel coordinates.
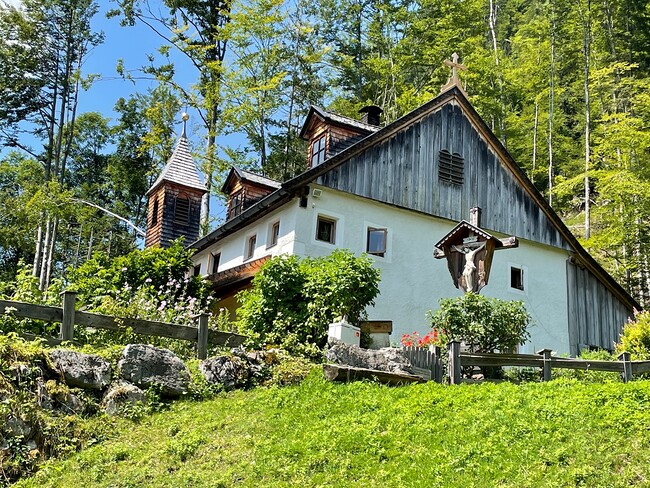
(318, 151)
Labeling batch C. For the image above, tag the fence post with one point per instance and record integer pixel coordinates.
(546, 369)
(67, 322)
(627, 366)
(453, 350)
(436, 369)
(202, 337)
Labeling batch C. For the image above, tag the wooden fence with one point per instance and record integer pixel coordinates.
(427, 363)
(69, 317)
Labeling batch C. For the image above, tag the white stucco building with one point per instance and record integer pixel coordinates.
(393, 192)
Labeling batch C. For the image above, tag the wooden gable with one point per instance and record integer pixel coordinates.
(443, 164)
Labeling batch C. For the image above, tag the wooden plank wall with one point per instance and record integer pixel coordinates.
(403, 171)
(596, 317)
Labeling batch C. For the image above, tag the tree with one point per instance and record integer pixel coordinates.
(195, 28)
(292, 302)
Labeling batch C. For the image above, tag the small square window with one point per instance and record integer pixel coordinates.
(326, 230)
(250, 246)
(376, 241)
(197, 270)
(516, 278)
(274, 234)
(215, 262)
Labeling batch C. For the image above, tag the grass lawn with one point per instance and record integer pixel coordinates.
(561, 433)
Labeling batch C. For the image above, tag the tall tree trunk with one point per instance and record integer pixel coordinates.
(39, 247)
(535, 124)
(551, 106)
(43, 263)
(586, 51)
(50, 254)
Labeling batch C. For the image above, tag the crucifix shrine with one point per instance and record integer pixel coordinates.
(469, 250)
(453, 80)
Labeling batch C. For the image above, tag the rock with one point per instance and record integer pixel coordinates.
(17, 427)
(122, 395)
(387, 359)
(82, 370)
(231, 372)
(145, 365)
(68, 402)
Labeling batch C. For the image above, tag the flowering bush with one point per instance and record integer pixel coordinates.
(432, 338)
(292, 301)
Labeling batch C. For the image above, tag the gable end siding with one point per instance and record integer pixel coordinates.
(403, 171)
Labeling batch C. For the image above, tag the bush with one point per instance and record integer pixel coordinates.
(635, 338)
(292, 301)
(482, 324)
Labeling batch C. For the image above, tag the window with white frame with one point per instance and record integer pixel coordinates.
(216, 258)
(376, 239)
(517, 278)
(326, 229)
(197, 270)
(251, 242)
(274, 234)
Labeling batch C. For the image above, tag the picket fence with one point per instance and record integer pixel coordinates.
(428, 363)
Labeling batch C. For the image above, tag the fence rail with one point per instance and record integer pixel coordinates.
(69, 317)
(543, 360)
(428, 363)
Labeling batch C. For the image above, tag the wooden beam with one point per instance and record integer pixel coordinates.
(339, 372)
(377, 326)
(29, 310)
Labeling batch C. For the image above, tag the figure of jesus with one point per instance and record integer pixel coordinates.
(469, 271)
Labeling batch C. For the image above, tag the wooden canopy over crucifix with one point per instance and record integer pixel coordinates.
(454, 80)
(469, 250)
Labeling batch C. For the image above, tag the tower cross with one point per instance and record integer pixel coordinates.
(453, 80)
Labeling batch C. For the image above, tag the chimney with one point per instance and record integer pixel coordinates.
(371, 115)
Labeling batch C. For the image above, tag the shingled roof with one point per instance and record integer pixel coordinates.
(180, 168)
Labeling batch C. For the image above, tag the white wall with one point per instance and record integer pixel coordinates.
(412, 282)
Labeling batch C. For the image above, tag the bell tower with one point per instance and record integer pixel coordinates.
(174, 200)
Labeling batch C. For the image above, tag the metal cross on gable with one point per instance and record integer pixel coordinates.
(453, 80)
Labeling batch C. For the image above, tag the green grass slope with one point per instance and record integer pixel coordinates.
(562, 433)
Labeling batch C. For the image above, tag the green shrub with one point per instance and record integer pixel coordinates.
(482, 324)
(635, 338)
(292, 301)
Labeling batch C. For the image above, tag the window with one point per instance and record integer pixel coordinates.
(451, 167)
(250, 246)
(516, 278)
(325, 229)
(235, 205)
(274, 234)
(182, 211)
(215, 262)
(376, 241)
(318, 151)
(154, 212)
(197, 270)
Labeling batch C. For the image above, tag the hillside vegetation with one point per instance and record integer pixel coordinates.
(561, 433)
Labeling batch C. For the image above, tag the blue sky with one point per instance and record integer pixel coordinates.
(132, 45)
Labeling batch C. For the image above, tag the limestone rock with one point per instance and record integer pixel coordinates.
(120, 395)
(231, 372)
(145, 365)
(82, 370)
(387, 359)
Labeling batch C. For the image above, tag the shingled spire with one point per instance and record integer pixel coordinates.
(174, 200)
